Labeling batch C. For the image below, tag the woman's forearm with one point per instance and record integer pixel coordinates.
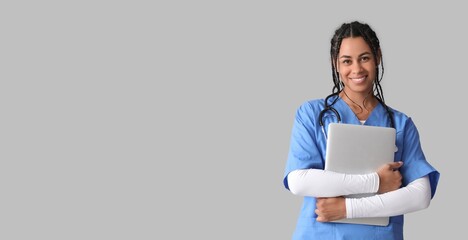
(321, 183)
(414, 197)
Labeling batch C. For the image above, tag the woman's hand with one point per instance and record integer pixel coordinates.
(389, 177)
(330, 209)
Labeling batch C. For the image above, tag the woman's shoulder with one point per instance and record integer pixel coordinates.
(309, 109)
(401, 118)
(398, 114)
(311, 105)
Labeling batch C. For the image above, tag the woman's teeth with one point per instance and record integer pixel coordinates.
(358, 80)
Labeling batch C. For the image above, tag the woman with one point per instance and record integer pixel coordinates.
(403, 186)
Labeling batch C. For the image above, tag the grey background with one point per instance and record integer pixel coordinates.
(171, 119)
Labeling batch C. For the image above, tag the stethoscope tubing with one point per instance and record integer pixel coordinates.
(328, 107)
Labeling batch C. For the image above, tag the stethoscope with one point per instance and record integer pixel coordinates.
(328, 107)
(331, 109)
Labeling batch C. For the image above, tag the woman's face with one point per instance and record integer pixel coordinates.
(356, 66)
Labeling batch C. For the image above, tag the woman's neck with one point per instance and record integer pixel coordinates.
(361, 104)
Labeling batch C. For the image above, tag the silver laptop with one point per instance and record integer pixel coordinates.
(359, 149)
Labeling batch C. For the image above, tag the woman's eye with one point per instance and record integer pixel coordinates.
(346, 62)
(365, 59)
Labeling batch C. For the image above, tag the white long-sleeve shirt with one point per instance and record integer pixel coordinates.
(321, 183)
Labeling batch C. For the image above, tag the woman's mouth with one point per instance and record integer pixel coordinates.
(358, 80)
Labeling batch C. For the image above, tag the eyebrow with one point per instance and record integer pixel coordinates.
(360, 55)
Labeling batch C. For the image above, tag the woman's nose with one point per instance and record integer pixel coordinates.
(357, 68)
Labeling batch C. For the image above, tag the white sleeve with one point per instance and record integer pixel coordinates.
(321, 183)
(414, 197)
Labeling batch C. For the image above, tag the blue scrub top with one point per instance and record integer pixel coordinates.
(307, 150)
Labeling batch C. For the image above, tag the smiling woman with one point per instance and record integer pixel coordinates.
(356, 66)
(403, 186)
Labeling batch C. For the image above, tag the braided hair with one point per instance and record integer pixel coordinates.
(357, 29)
